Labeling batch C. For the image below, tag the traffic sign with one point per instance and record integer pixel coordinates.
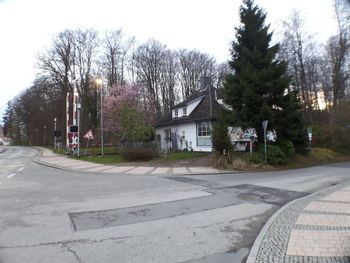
(73, 128)
(89, 135)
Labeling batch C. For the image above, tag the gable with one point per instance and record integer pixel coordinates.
(203, 105)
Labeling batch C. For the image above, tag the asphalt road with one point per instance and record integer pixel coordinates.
(51, 215)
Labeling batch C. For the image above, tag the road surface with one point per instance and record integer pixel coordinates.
(52, 215)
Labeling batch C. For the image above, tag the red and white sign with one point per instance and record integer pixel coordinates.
(89, 135)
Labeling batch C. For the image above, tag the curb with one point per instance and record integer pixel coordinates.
(51, 165)
(40, 162)
(253, 253)
(3, 149)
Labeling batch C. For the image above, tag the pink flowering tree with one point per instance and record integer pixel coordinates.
(128, 113)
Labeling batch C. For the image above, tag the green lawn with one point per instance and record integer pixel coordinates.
(97, 150)
(175, 156)
(60, 151)
(117, 158)
(108, 159)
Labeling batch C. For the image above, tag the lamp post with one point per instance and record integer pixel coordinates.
(44, 134)
(55, 128)
(99, 82)
(78, 119)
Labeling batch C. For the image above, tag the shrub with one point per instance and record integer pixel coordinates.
(257, 157)
(227, 162)
(275, 156)
(140, 154)
(287, 148)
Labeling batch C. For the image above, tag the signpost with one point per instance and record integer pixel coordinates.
(309, 132)
(264, 124)
(89, 136)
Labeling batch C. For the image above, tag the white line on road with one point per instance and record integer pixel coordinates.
(15, 154)
(21, 169)
(6, 166)
(10, 176)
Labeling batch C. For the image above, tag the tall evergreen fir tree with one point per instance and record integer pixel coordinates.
(256, 89)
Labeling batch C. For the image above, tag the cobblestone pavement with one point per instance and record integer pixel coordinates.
(315, 228)
(62, 162)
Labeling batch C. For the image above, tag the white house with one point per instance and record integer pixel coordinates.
(189, 125)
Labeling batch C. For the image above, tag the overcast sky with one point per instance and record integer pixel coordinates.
(27, 27)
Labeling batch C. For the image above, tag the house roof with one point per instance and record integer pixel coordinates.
(201, 113)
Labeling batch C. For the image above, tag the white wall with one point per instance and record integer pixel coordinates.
(187, 129)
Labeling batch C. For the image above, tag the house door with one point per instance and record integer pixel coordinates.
(174, 142)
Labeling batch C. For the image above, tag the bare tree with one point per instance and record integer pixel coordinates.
(148, 62)
(168, 80)
(193, 65)
(298, 49)
(57, 61)
(85, 51)
(114, 56)
(337, 49)
(223, 70)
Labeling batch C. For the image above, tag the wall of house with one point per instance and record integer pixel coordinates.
(186, 135)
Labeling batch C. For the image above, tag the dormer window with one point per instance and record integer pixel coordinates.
(176, 113)
(184, 111)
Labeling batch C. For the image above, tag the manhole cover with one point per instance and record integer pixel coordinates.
(250, 197)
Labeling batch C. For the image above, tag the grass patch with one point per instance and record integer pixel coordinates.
(175, 156)
(110, 159)
(97, 150)
(316, 156)
(59, 151)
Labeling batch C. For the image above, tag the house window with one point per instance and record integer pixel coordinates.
(167, 135)
(184, 111)
(176, 113)
(204, 134)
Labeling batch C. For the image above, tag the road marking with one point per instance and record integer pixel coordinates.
(15, 154)
(5, 166)
(21, 169)
(10, 176)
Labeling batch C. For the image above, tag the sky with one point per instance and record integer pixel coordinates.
(27, 27)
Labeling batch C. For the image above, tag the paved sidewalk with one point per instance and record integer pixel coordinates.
(47, 157)
(315, 228)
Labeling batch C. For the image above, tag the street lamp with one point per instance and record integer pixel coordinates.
(78, 119)
(44, 134)
(55, 128)
(100, 83)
